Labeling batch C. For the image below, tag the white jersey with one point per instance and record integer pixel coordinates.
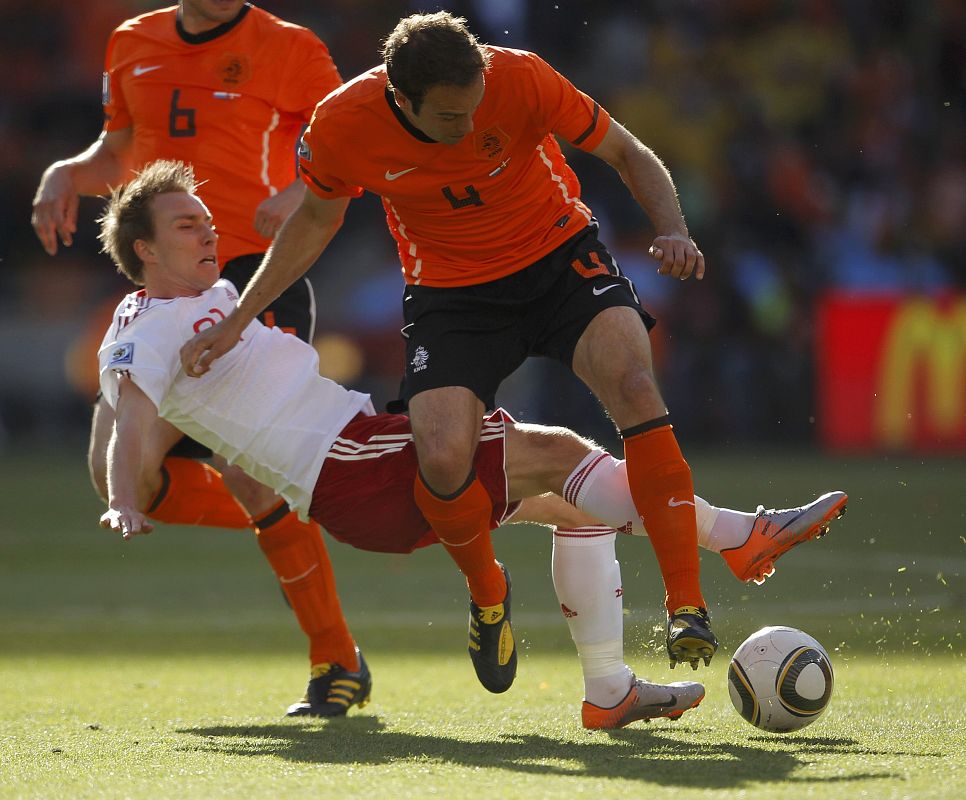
(263, 405)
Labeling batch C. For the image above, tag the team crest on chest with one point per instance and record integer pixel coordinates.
(491, 143)
(233, 69)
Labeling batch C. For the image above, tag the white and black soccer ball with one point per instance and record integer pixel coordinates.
(780, 679)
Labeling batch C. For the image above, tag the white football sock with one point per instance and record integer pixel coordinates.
(587, 579)
(598, 486)
(730, 529)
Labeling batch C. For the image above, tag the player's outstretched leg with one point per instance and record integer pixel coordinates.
(776, 531)
(332, 689)
(491, 645)
(644, 701)
(689, 636)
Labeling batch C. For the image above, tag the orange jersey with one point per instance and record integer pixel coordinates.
(231, 102)
(462, 214)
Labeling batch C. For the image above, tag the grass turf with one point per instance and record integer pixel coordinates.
(160, 667)
(208, 726)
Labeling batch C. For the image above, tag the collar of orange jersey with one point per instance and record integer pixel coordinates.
(410, 128)
(214, 33)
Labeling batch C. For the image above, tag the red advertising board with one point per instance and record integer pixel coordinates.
(891, 373)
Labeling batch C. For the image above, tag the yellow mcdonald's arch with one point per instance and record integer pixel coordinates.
(922, 336)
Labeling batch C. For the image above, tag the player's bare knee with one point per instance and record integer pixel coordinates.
(635, 398)
(445, 462)
(446, 432)
(551, 443)
(637, 383)
(540, 458)
(445, 466)
(445, 476)
(256, 498)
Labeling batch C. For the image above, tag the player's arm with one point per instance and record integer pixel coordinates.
(102, 165)
(274, 210)
(650, 183)
(135, 414)
(301, 240)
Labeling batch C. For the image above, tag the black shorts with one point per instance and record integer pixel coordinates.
(293, 312)
(476, 336)
(294, 309)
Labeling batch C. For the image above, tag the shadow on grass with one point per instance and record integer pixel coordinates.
(644, 755)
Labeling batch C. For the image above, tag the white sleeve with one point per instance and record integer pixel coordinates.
(147, 353)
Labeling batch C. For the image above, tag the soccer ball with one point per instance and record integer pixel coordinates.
(780, 679)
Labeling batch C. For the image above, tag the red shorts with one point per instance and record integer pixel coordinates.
(364, 494)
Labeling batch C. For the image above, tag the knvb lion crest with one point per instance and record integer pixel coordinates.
(420, 359)
(233, 69)
(491, 143)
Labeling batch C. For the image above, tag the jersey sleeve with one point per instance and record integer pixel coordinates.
(566, 110)
(310, 75)
(151, 361)
(116, 114)
(318, 159)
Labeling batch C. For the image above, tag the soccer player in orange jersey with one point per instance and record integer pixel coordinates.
(227, 87)
(325, 449)
(502, 261)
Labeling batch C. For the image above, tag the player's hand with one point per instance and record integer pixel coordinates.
(126, 521)
(55, 208)
(678, 256)
(198, 353)
(273, 211)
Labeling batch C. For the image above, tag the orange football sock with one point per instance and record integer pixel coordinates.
(660, 483)
(462, 523)
(193, 493)
(301, 563)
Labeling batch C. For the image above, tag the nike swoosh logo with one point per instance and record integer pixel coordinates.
(598, 292)
(675, 503)
(391, 176)
(671, 702)
(770, 530)
(139, 70)
(297, 577)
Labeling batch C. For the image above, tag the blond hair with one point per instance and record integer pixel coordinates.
(128, 216)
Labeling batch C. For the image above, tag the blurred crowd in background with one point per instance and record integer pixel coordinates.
(816, 145)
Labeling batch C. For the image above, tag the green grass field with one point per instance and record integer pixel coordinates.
(161, 667)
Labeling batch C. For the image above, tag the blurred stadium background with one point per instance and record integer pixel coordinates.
(820, 154)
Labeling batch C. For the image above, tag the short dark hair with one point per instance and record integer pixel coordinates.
(128, 216)
(427, 50)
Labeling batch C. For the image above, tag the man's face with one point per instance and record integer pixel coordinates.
(446, 114)
(182, 259)
(199, 16)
